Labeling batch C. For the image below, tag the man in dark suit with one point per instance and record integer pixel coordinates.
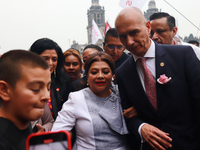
(168, 109)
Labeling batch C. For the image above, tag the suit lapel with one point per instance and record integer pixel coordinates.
(160, 62)
(133, 75)
(135, 87)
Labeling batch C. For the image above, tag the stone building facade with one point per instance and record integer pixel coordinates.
(97, 13)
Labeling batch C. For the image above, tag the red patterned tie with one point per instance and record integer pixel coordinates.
(149, 83)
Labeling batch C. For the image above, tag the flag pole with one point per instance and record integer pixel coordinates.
(197, 31)
(182, 15)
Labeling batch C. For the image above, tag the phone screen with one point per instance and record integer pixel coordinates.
(49, 141)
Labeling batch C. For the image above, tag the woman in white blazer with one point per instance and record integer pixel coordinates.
(95, 111)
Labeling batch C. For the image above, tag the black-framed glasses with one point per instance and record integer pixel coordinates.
(112, 47)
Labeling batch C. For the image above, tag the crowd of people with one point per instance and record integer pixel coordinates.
(106, 99)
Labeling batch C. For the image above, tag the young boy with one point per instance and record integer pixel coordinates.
(24, 91)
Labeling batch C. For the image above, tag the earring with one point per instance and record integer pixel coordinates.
(54, 72)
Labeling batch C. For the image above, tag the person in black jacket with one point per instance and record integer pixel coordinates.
(52, 53)
(24, 92)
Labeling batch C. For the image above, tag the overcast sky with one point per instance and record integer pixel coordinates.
(24, 21)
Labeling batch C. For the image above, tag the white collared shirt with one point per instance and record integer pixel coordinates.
(150, 62)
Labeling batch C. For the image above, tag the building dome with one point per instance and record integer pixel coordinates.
(152, 4)
(151, 9)
(95, 2)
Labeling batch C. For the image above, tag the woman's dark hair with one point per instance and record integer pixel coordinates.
(93, 46)
(99, 56)
(40, 45)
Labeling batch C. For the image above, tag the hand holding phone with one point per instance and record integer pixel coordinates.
(49, 141)
(34, 127)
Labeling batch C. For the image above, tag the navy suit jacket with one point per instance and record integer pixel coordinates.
(178, 101)
(121, 60)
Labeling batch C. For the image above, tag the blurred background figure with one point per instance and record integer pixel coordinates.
(60, 82)
(163, 31)
(73, 63)
(194, 42)
(90, 49)
(113, 46)
(163, 28)
(82, 82)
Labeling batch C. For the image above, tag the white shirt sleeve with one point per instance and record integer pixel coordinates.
(66, 118)
(139, 131)
(151, 66)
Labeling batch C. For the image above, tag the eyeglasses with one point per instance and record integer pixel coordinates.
(112, 47)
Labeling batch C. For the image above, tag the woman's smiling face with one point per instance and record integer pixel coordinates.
(99, 78)
(51, 57)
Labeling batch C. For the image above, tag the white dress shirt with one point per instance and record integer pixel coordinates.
(150, 62)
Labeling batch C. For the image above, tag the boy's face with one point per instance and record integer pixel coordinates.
(30, 95)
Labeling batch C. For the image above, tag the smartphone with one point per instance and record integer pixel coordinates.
(56, 140)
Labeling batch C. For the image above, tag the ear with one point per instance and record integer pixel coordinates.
(4, 90)
(148, 25)
(174, 30)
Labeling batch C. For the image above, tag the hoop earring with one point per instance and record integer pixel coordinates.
(54, 72)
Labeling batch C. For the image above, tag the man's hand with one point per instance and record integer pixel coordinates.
(130, 112)
(155, 137)
(70, 133)
(40, 128)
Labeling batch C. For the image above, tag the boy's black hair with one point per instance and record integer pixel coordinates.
(12, 61)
